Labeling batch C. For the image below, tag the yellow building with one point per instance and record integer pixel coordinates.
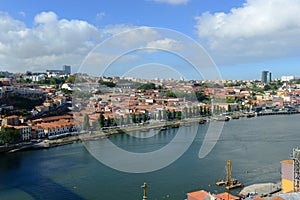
(287, 175)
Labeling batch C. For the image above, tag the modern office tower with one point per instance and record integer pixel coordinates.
(266, 76)
(67, 69)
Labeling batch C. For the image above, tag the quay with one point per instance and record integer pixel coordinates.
(261, 190)
(278, 113)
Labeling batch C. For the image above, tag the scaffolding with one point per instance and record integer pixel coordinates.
(296, 163)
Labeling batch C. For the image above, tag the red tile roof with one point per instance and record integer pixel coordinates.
(226, 196)
(199, 195)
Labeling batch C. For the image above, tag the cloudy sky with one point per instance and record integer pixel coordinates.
(241, 37)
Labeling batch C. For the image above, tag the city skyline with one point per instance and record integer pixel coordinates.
(242, 38)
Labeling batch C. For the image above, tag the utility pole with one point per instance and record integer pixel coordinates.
(145, 191)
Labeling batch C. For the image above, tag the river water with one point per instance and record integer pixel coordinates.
(255, 146)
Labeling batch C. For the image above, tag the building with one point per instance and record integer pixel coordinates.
(287, 175)
(287, 78)
(204, 195)
(10, 120)
(24, 131)
(67, 69)
(266, 77)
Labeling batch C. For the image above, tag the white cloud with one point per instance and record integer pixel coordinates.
(257, 30)
(165, 44)
(51, 42)
(46, 17)
(173, 2)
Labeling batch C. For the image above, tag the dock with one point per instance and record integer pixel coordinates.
(261, 190)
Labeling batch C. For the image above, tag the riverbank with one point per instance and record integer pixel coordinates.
(99, 134)
(102, 134)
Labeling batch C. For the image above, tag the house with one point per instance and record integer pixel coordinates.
(204, 195)
(10, 120)
(200, 195)
(38, 132)
(54, 128)
(25, 132)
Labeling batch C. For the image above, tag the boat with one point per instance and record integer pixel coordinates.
(249, 115)
(235, 117)
(221, 118)
(202, 121)
(230, 182)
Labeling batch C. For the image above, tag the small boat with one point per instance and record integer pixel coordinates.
(202, 121)
(222, 118)
(249, 115)
(235, 117)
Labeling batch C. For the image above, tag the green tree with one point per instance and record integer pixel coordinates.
(127, 119)
(115, 123)
(169, 114)
(185, 111)
(205, 110)
(190, 112)
(178, 115)
(174, 114)
(201, 110)
(71, 79)
(208, 111)
(86, 122)
(170, 94)
(144, 117)
(140, 118)
(122, 121)
(159, 117)
(201, 96)
(108, 122)
(164, 114)
(248, 109)
(133, 117)
(147, 86)
(8, 135)
(101, 120)
(194, 111)
(229, 108)
(267, 87)
(197, 110)
(107, 83)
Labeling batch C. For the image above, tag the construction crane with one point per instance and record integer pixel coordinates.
(229, 182)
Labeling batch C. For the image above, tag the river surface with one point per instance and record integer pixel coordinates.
(255, 146)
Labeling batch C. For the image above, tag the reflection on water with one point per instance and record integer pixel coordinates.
(254, 145)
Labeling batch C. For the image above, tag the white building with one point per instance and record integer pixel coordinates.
(287, 78)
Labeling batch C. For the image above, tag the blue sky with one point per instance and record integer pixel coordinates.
(242, 37)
